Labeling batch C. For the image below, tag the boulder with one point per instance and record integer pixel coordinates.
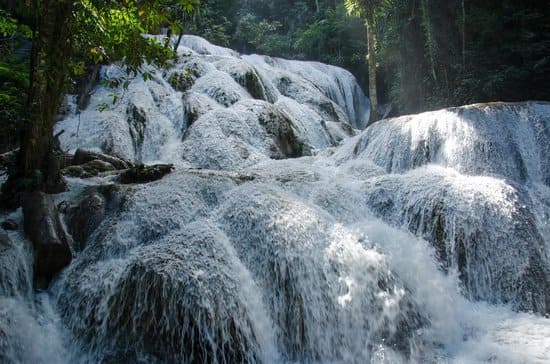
(50, 243)
(89, 169)
(137, 123)
(86, 216)
(84, 156)
(246, 76)
(182, 81)
(144, 174)
(279, 127)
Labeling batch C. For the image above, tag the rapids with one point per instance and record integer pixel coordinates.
(288, 232)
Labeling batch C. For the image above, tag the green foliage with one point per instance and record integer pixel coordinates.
(261, 35)
(434, 57)
(337, 39)
(214, 21)
(14, 79)
(108, 33)
(8, 25)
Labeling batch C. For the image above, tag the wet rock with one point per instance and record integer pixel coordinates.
(84, 156)
(220, 87)
(153, 306)
(50, 244)
(279, 127)
(75, 171)
(9, 224)
(182, 81)
(197, 105)
(143, 174)
(492, 241)
(137, 122)
(90, 169)
(307, 93)
(246, 76)
(86, 216)
(187, 71)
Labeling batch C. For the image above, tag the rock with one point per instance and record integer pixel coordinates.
(8, 159)
(84, 156)
(220, 87)
(75, 171)
(188, 70)
(9, 224)
(182, 81)
(246, 76)
(279, 127)
(154, 304)
(50, 244)
(86, 216)
(143, 174)
(197, 105)
(90, 169)
(137, 123)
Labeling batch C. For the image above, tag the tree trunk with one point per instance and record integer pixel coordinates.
(178, 41)
(426, 22)
(50, 59)
(372, 71)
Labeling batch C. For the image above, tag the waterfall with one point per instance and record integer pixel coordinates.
(287, 233)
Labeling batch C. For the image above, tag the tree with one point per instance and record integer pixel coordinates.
(64, 32)
(366, 9)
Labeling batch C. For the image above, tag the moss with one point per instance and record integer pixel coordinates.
(297, 148)
(254, 86)
(182, 81)
(279, 127)
(89, 169)
(143, 174)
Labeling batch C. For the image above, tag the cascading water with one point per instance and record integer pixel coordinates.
(419, 240)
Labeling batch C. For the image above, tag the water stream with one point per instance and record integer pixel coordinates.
(421, 239)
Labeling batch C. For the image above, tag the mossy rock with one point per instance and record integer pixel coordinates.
(182, 81)
(143, 174)
(89, 169)
(279, 127)
(83, 156)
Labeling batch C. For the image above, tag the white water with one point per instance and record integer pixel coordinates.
(415, 241)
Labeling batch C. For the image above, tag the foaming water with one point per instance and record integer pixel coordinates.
(30, 332)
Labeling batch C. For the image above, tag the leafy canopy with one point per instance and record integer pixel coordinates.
(108, 31)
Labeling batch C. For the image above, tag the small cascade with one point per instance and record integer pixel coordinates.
(29, 331)
(336, 83)
(315, 275)
(509, 141)
(15, 266)
(472, 181)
